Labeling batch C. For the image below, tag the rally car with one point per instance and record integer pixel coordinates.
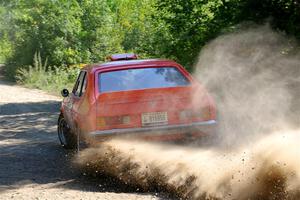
(152, 99)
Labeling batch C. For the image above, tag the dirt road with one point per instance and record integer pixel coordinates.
(32, 163)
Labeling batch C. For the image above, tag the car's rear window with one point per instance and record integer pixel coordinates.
(141, 78)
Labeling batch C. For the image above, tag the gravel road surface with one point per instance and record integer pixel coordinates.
(32, 163)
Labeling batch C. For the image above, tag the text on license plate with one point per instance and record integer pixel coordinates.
(154, 118)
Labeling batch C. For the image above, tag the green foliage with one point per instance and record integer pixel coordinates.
(283, 14)
(41, 76)
(98, 37)
(50, 27)
(192, 23)
(140, 31)
(65, 31)
(6, 47)
(69, 32)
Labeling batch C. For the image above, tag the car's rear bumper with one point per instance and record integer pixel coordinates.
(167, 132)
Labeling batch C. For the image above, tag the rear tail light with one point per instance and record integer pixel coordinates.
(114, 120)
(203, 113)
(126, 119)
(186, 114)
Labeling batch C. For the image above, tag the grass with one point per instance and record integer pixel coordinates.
(51, 79)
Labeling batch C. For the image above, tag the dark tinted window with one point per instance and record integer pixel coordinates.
(79, 83)
(143, 78)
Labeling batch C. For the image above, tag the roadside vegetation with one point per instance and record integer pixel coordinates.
(41, 76)
(41, 41)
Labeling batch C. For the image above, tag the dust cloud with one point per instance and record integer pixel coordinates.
(254, 75)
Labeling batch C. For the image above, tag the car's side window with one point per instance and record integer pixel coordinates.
(84, 84)
(79, 83)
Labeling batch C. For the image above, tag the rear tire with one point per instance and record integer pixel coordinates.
(67, 138)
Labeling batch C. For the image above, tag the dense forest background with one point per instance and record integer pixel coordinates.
(70, 32)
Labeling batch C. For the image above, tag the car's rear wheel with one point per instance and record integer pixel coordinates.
(65, 135)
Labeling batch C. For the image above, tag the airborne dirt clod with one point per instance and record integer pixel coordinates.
(32, 163)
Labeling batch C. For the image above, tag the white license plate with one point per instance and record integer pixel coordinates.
(154, 118)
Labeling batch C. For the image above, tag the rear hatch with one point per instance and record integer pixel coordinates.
(151, 107)
(149, 96)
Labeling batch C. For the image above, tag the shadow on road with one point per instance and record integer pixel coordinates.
(30, 152)
(30, 107)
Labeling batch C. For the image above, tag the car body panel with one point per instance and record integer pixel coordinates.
(86, 113)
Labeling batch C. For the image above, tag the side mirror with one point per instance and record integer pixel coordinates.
(64, 93)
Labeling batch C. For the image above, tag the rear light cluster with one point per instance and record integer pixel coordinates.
(203, 113)
(111, 121)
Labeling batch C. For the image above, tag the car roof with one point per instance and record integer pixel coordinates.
(126, 63)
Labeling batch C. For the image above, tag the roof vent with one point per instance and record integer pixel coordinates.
(124, 56)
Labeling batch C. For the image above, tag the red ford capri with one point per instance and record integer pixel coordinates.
(145, 99)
